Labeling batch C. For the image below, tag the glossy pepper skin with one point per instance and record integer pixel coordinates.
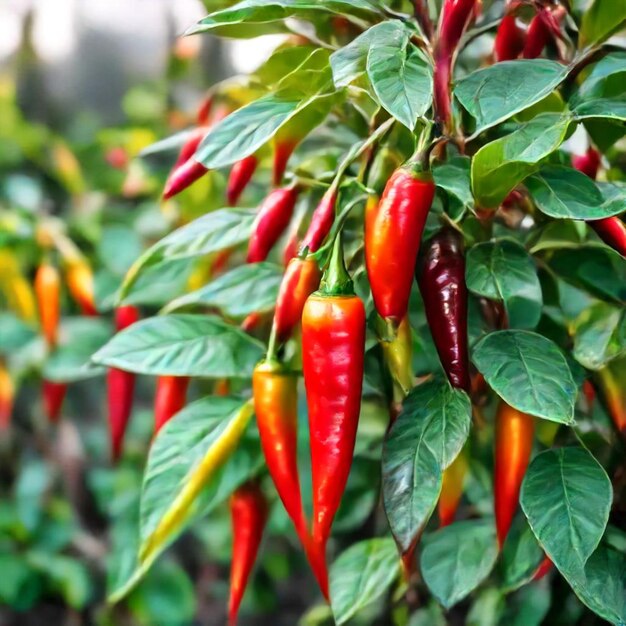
(283, 149)
(273, 218)
(120, 388)
(53, 396)
(398, 353)
(182, 177)
(509, 41)
(455, 17)
(514, 443)
(441, 279)
(393, 230)
(333, 344)
(321, 221)
(544, 27)
(301, 279)
(79, 279)
(451, 490)
(7, 394)
(171, 395)
(240, 175)
(248, 509)
(48, 294)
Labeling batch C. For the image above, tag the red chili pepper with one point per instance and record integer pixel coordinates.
(182, 177)
(273, 217)
(514, 443)
(455, 16)
(282, 151)
(7, 394)
(588, 163)
(171, 395)
(441, 279)
(120, 388)
(248, 509)
(544, 27)
(251, 321)
(53, 396)
(240, 175)
(204, 110)
(47, 290)
(190, 146)
(292, 245)
(393, 230)
(509, 41)
(321, 221)
(544, 567)
(301, 279)
(452, 490)
(333, 345)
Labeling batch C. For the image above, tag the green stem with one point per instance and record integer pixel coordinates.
(336, 280)
(271, 348)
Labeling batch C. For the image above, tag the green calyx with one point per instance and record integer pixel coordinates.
(336, 280)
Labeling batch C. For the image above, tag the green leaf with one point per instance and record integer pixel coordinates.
(79, 338)
(242, 290)
(599, 335)
(521, 555)
(246, 130)
(601, 585)
(457, 558)
(503, 270)
(453, 176)
(212, 232)
(566, 497)
(424, 440)
(183, 345)
(14, 333)
(529, 372)
(157, 284)
(500, 165)
(263, 13)
(495, 93)
(565, 193)
(400, 75)
(601, 20)
(361, 575)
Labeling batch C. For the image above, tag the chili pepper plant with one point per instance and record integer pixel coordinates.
(402, 353)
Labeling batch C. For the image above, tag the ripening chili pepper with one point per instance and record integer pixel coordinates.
(240, 175)
(441, 279)
(251, 321)
(589, 392)
(301, 279)
(333, 345)
(248, 509)
(283, 149)
(509, 41)
(171, 395)
(514, 443)
(393, 230)
(611, 381)
(273, 217)
(79, 279)
(7, 394)
(321, 221)
(455, 16)
(53, 396)
(47, 291)
(451, 490)
(398, 353)
(120, 388)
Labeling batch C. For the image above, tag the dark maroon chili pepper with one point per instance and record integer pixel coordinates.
(441, 279)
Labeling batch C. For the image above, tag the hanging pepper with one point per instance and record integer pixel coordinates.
(53, 396)
(47, 291)
(610, 229)
(283, 149)
(79, 278)
(611, 381)
(333, 345)
(239, 177)
(182, 177)
(204, 110)
(452, 490)
(248, 509)
(171, 395)
(514, 443)
(455, 16)
(398, 353)
(321, 221)
(301, 279)
(544, 27)
(509, 41)
(120, 388)
(393, 230)
(292, 245)
(441, 279)
(273, 217)
(7, 394)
